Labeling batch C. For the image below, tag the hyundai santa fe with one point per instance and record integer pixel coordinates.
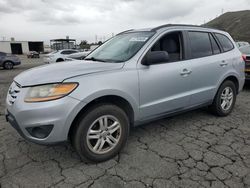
(133, 78)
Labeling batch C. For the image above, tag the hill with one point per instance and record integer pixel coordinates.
(235, 23)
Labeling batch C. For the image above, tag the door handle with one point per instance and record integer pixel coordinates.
(185, 72)
(223, 63)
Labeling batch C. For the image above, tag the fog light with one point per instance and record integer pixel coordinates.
(41, 131)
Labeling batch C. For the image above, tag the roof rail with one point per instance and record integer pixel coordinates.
(172, 25)
(125, 31)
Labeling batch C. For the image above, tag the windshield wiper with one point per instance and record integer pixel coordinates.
(94, 59)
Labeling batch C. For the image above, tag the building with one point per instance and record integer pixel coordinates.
(21, 47)
(60, 44)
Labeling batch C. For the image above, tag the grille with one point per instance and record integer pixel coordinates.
(13, 92)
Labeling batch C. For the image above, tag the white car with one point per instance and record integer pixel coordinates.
(77, 56)
(58, 56)
(242, 43)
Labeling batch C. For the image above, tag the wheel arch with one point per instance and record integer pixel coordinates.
(59, 59)
(234, 79)
(8, 61)
(107, 99)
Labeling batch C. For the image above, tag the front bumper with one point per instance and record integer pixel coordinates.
(47, 60)
(58, 113)
(17, 63)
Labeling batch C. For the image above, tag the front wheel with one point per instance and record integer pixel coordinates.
(225, 99)
(101, 133)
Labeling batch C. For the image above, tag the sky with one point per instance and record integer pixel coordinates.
(42, 20)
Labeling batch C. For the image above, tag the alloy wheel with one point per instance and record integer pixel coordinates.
(104, 134)
(227, 97)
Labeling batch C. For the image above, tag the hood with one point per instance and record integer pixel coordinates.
(60, 71)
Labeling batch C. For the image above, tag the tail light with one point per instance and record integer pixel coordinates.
(244, 57)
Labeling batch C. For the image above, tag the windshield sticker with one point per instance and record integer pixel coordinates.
(138, 39)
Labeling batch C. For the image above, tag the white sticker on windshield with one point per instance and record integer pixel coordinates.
(138, 39)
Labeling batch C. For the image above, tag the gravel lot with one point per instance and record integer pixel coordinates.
(195, 149)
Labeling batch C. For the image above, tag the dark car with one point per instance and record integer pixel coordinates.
(8, 61)
(245, 50)
(33, 54)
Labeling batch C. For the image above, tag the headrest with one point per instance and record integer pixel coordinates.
(169, 45)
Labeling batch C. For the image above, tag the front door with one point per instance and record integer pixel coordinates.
(164, 88)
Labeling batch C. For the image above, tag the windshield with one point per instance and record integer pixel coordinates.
(245, 50)
(120, 48)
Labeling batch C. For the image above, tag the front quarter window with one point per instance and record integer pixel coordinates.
(120, 48)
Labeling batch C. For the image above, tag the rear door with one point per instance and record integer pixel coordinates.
(208, 65)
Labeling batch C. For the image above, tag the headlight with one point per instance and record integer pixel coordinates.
(49, 92)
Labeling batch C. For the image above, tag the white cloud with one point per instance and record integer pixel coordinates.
(46, 19)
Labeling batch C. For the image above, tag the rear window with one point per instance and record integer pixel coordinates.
(215, 46)
(225, 42)
(200, 44)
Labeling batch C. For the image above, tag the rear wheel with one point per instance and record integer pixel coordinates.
(8, 65)
(101, 133)
(225, 99)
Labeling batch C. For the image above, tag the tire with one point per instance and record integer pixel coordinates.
(59, 60)
(8, 65)
(223, 98)
(88, 148)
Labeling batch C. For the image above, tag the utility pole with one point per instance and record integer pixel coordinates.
(95, 38)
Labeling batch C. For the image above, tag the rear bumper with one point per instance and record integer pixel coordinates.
(247, 76)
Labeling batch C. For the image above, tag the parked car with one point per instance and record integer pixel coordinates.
(58, 56)
(33, 54)
(245, 50)
(242, 43)
(136, 77)
(8, 61)
(77, 56)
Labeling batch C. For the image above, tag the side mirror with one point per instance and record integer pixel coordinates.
(155, 57)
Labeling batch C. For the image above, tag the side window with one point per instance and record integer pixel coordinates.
(65, 52)
(200, 44)
(72, 52)
(225, 42)
(171, 43)
(215, 46)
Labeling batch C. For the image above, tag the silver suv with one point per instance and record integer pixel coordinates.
(135, 77)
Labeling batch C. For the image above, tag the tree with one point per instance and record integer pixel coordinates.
(99, 43)
(84, 44)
